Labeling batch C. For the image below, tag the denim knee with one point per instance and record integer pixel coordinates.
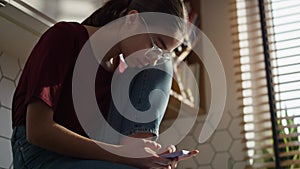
(141, 87)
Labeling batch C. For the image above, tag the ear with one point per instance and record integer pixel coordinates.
(132, 19)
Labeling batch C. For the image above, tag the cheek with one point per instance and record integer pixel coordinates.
(133, 45)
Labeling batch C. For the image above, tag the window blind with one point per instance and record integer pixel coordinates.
(266, 40)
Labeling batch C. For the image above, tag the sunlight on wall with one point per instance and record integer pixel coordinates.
(66, 10)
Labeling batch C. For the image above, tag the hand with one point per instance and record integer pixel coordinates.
(142, 153)
(181, 158)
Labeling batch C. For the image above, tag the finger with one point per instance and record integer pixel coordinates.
(153, 145)
(190, 155)
(174, 163)
(167, 150)
(163, 161)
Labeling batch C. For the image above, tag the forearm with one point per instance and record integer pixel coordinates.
(46, 133)
(57, 138)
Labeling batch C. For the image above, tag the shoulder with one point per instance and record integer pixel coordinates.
(68, 26)
(66, 31)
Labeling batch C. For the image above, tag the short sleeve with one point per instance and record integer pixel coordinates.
(49, 64)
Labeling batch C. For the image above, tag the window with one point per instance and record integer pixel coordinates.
(267, 61)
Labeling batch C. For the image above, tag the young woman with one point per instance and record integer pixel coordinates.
(47, 133)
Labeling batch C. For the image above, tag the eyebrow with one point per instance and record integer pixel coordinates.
(162, 42)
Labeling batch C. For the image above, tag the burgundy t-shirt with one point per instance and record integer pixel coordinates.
(48, 72)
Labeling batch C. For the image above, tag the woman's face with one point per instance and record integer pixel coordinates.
(143, 49)
(144, 42)
(136, 49)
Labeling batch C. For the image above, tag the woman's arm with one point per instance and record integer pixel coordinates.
(44, 132)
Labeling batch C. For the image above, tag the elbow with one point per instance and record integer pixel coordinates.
(33, 137)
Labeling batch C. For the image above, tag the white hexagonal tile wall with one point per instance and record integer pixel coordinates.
(197, 130)
(18, 77)
(5, 123)
(239, 165)
(9, 66)
(225, 121)
(7, 88)
(235, 128)
(221, 141)
(235, 113)
(187, 164)
(221, 161)
(205, 167)
(6, 153)
(185, 127)
(236, 150)
(206, 154)
(188, 143)
(22, 62)
(172, 136)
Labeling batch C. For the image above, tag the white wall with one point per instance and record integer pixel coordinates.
(18, 34)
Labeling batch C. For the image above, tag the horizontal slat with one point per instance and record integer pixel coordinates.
(287, 126)
(290, 153)
(257, 55)
(257, 130)
(252, 38)
(259, 45)
(263, 165)
(289, 73)
(291, 46)
(256, 121)
(286, 32)
(289, 162)
(253, 96)
(257, 138)
(258, 147)
(289, 144)
(277, 110)
(251, 62)
(288, 117)
(261, 156)
(253, 14)
(288, 136)
(256, 70)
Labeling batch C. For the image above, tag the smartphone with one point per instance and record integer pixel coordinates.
(176, 154)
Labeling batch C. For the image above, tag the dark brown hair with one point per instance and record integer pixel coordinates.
(114, 9)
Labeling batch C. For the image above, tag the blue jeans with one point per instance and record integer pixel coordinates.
(140, 89)
(28, 156)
